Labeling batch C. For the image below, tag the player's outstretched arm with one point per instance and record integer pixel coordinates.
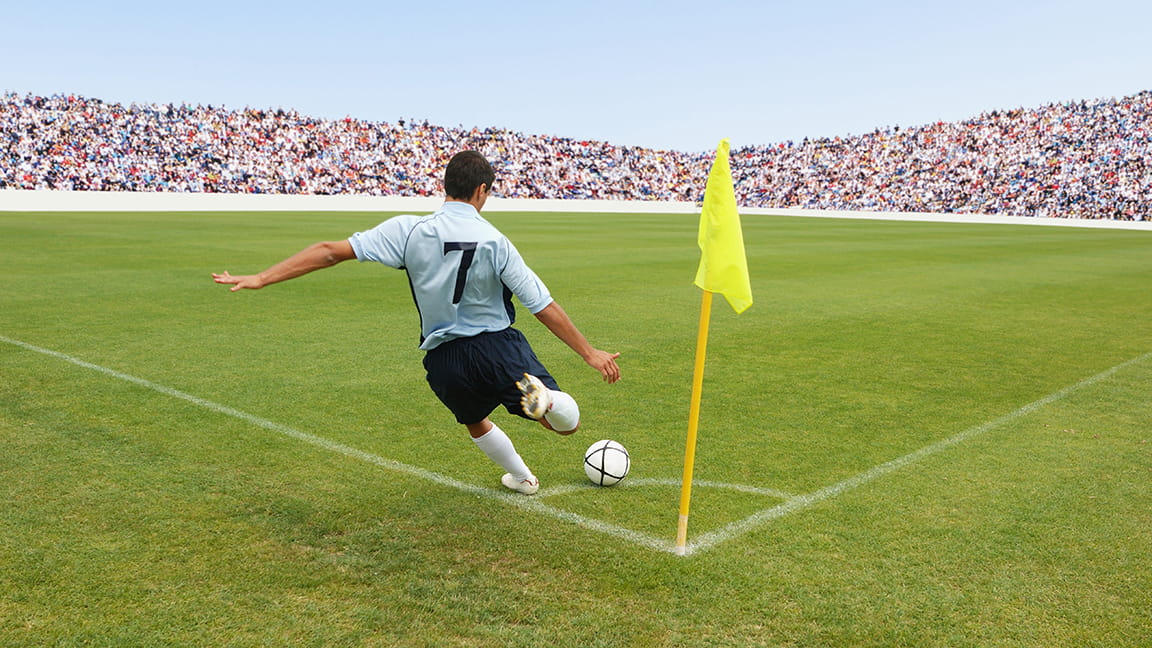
(562, 327)
(313, 257)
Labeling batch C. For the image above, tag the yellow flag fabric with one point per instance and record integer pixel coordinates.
(723, 265)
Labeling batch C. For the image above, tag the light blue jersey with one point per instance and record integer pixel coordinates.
(463, 271)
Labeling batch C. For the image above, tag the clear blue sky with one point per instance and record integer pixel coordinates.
(668, 74)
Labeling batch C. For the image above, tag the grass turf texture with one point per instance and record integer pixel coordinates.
(135, 518)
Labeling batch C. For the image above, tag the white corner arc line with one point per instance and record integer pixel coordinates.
(640, 482)
(636, 537)
(712, 538)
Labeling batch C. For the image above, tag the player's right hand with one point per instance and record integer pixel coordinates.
(238, 282)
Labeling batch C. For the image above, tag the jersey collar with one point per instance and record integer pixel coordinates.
(461, 209)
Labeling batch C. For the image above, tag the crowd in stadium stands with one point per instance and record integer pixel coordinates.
(1085, 159)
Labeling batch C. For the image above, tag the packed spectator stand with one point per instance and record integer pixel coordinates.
(1082, 159)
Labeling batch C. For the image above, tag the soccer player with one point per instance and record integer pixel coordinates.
(463, 273)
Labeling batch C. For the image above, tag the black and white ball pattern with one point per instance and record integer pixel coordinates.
(606, 462)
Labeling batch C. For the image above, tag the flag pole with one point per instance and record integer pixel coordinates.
(693, 422)
(723, 269)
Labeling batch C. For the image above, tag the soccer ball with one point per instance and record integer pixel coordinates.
(606, 462)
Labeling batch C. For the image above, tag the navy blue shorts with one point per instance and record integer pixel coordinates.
(473, 376)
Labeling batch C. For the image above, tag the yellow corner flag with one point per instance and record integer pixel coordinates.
(723, 269)
(723, 266)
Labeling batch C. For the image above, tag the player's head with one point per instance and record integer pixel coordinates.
(466, 171)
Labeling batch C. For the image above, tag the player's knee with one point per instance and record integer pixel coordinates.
(549, 426)
(564, 417)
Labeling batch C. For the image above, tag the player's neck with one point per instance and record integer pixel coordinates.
(477, 200)
(477, 207)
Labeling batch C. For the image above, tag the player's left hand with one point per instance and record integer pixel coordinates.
(605, 363)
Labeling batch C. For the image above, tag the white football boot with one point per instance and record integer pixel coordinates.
(527, 486)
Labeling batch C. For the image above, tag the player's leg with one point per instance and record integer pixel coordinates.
(499, 448)
(530, 391)
(556, 410)
(451, 373)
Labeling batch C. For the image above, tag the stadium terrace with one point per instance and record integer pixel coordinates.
(1080, 159)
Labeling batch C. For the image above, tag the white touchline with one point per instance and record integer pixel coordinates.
(705, 541)
(712, 538)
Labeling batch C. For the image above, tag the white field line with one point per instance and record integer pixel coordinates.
(705, 541)
(639, 482)
(713, 538)
(520, 501)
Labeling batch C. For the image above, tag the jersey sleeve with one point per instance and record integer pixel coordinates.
(384, 243)
(522, 281)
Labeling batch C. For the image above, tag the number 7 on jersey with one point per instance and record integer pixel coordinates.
(467, 252)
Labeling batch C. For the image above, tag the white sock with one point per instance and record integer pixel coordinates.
(499, 448)
(564, 415)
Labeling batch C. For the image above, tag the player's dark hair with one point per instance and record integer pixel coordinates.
(466, 171)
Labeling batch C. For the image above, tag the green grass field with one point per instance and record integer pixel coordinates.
(921, 434)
